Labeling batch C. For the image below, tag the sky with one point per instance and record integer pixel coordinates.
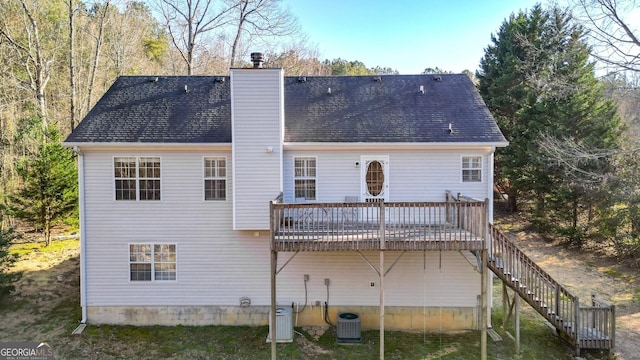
(405, 35)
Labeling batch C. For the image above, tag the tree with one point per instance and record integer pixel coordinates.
(259, 18)
(345, 67)
(613, 31)
(7, 278)
(28, 45)
(50, 192)
(187, 22)
(537, 80)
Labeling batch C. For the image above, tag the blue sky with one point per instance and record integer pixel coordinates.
(406, 35)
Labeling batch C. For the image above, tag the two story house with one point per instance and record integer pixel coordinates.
(213, 199)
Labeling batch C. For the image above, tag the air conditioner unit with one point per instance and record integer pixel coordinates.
(284, 325)
(348, 328)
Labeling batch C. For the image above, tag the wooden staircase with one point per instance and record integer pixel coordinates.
(585, 327)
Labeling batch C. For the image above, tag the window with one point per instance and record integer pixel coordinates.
(137, 178)
(471, 168)
(152, 262)
(215, 178)
(305, 177)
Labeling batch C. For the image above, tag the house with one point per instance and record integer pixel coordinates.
(201, 193)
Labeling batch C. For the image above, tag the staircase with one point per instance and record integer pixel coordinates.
(584, 327)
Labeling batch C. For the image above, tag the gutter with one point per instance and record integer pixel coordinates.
(83, 247)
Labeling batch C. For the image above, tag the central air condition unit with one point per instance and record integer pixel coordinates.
(348, 329)
(284, 325)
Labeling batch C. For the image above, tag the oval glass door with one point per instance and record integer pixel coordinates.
(374, 179)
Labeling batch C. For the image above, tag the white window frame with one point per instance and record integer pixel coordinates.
(215, 177)
(137, 178)
(466, 165)
(306, 177)
(153, 262)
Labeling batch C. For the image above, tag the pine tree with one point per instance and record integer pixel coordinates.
(7, 236)
(538, 82)
(50, 192)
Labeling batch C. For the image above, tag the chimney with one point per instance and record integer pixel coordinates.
(257, 58)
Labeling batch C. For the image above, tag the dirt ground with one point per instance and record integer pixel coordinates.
(588, 272)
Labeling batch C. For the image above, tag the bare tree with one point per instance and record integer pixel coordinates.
(298, 59)
(614, 33)
(72, 72)
(27, 47)
(102, 15)
(188, 21)
(260, 18)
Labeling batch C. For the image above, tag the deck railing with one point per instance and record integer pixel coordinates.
(584, 327)
(379, 225)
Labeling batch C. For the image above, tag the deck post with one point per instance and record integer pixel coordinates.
(505, 306)
(381, 305)
(484, 303)
(272, 328)
(576, 324)
(382, 219)
(516, 320)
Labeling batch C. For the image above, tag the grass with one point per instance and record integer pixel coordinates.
(22, 249)
(45, 309)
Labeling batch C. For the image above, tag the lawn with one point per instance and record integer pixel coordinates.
(45, 307)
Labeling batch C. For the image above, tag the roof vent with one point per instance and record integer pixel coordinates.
(220, 79)
(302, 79)
(257, 58)
(329, 91)
(154, 79)
(437, 77)
(186, 89)
(377, 78)
(450, 128)
(421, 89)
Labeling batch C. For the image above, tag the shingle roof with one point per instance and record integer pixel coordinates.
(359, 109)
(139, 109)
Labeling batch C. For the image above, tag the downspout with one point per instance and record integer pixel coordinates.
(83, 247)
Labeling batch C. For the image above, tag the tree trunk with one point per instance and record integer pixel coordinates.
(236, 39)
(72, 73)
(96, 57)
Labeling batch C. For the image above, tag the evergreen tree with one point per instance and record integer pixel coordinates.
(7, 235)
(538, 82)
(50, 192)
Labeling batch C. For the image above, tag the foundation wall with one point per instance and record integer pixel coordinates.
(396, 318)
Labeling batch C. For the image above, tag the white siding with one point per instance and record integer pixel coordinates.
(414, 175)
(257, 120)
(217, 265)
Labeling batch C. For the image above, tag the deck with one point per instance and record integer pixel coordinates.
(449, 225)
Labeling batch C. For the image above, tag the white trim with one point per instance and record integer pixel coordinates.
(137, 177)
(226, 178)
(384, 159)
(233, 145)
(153, 262)
(83, 234)
(293, 168)
(391, 146)
(482, 170)
(148, 146)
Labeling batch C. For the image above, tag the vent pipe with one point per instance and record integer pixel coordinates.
(257, 58)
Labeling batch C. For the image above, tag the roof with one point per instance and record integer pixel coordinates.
(318, 109)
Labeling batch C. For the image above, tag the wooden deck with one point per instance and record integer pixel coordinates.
(378, 226)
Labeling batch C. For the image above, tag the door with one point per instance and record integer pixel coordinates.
(374, 178)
